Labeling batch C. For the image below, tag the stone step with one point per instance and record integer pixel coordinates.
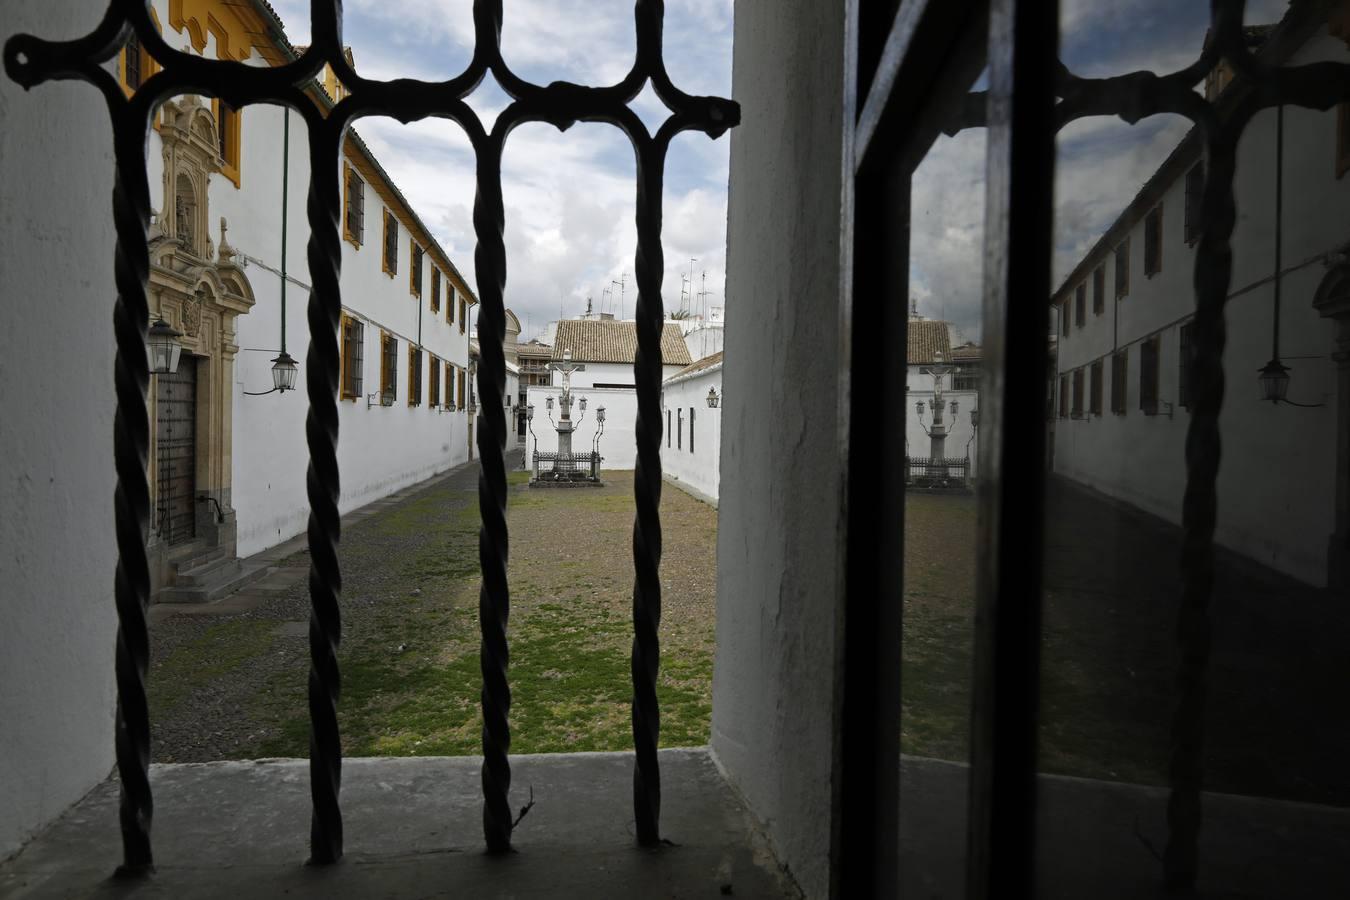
(207, 573)
(197, 560)
(226, 581)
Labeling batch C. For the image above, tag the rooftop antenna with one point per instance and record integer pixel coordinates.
(623, 278)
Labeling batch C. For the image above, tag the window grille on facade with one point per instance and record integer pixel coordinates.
(463, 378)
(355, 220)
(414, 375)
(1064, 318)
(966, 378)
(1148, 376)
(449, 385)
(1153, 241)
(1076, 411)
(463, 313)
(415, 276)
(435, 290)
(1195, 186)
(449, 300)
(1099, 289)
(1095, 388)
(434, 383)
(691, 429)
(1123, 268)
(353, 353)
(1064, 396)
(388, 369)
(1080, 304)
(1120, 365)
(670, 432)
(1184, 364)
(132, 62)
(390, 261)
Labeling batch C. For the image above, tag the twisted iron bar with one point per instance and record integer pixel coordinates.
(131, 502)
(322, 481)
(494, 596)
(649, 268)
(30, 61)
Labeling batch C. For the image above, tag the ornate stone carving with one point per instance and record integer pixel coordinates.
(192, 312)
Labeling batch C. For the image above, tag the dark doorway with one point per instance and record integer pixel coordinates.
(176, 452)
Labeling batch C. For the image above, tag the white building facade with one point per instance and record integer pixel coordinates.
(230, 186)
(1123, 395)
(691, 450)
(929, 350)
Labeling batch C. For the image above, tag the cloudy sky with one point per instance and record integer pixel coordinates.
(1101, 163)
(569, 196)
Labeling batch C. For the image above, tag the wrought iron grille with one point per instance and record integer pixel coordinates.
(551, 466)
(944, 46)
(31, 61)
(925, 472)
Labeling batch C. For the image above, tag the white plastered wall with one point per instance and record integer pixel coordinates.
(693, 460)
(774, 675)
(57, 548)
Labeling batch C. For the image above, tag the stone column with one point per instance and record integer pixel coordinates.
(1333, 301)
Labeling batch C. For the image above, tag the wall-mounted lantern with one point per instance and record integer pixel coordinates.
(1274, 378)
(712, 398)
(583, 404)
(548, 403)
(162, 347)
(283, 373)
(600, 414)
(529, 412)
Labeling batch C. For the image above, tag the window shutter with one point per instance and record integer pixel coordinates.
(1099, 289)
(1080, 304)
(359, 357)
(1123, 269)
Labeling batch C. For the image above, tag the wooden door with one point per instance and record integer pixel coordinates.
(176, 452)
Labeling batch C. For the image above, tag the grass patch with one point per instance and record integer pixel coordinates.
(213, 654)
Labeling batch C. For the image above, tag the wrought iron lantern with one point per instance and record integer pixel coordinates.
(284, 369)
(529, 412)
(548, 403)
(918, 407)
(953, 408)
(583, 404)
(712, 398)
(974, 418)
(162, 347)
(600, 414)
(1274, 378)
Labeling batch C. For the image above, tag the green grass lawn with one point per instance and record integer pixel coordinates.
(409, 656)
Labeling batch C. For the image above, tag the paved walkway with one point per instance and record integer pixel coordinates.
(1279, 664)
(288, 562)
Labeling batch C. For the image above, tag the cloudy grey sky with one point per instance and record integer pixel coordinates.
(1101, 163)
(569, 196)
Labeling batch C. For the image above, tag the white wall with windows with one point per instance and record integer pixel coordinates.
(691, 449)
(1133, 448)
(381, 448)
(611, 374)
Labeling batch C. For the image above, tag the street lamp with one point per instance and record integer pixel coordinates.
(953, 408)
(284, 369)
(600, 418)
(162, 347)
(712, 398)
(1274, 378)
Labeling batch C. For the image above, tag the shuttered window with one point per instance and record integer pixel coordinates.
(1123, 269)
(1095, 388)
(434, 384)
(449, 300)
(1076, 411)
(669, 431)
(449, 386)
(1120, 364)
(390, 261)
(353, 357)
(354, 208)
(132, 57)
(435, 289)
(388, 369)
(1153, 241)
(463, 313)
(1099, 289)
(415, 276)
(1184, 369)
(459, 396)
(1064, 318)
(691, 429)
(1195, 186)
(1064, 396)
(414, 376)
(1148, 376)
(1080, 304)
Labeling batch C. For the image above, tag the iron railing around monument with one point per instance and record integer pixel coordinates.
(566, 466)
(925, 472)
(31, 61)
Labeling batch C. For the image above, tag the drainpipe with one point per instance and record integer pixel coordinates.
(285, 193)
(1279, 223)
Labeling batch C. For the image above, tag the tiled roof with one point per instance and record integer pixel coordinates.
(532, 350)
(605, 340)
(928, 337)
(966, 353)
(706, 362)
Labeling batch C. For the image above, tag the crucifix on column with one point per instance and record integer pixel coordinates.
(564, 426)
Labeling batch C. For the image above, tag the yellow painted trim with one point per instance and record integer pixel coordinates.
(231, 163)
(237, 28)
